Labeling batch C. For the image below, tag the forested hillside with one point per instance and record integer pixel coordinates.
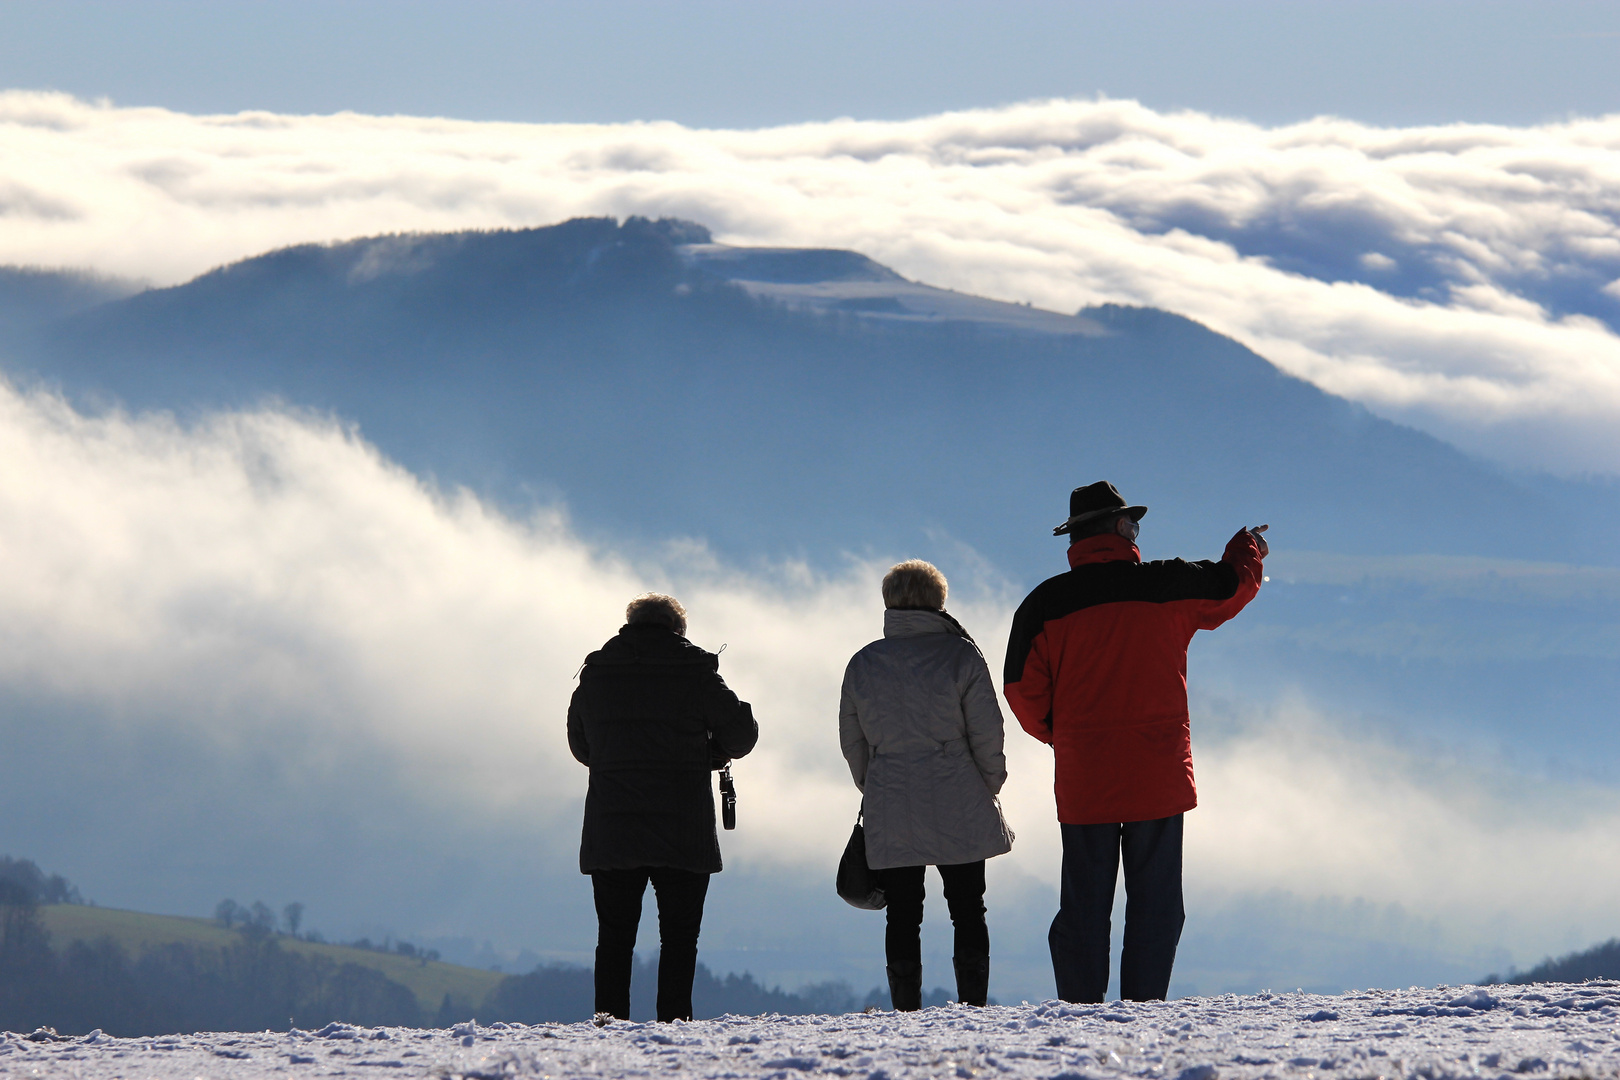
(75, 968)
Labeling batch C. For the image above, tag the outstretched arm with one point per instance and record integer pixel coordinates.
(1244, 555)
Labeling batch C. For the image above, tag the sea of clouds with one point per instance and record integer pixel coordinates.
(1462, 278)
(250, 653)
(248, 649)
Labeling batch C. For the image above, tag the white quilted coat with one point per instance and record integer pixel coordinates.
(920, 723)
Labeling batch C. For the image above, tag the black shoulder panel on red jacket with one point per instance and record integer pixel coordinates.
(1163, 581)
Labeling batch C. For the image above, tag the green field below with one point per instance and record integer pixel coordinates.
(136, 931)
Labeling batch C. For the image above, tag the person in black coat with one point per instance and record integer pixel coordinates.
(651, 718)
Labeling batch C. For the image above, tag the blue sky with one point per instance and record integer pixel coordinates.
(765, 62)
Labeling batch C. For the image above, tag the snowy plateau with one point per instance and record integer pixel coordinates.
(1522, 1032)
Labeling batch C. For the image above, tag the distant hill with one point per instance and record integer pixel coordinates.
(1598, 962)
(31, 299)
(811, 403)
(133, 973)
(784, 402)
(248, 982)
(661, 383)
(430, 981)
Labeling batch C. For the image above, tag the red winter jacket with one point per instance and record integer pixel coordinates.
(1097, 666)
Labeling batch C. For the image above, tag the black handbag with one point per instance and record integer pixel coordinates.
(858, 884)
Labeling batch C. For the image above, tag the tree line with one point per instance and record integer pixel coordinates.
(1599, 962)
(253, 984)
(258, 917)
(249, 985)
(566, 993)
(21, 878)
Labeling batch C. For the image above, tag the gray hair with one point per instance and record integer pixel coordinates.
(1097, 526)
(915, 584)
(657, 609)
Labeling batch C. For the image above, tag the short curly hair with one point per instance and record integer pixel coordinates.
(915, 584)
(657, 609)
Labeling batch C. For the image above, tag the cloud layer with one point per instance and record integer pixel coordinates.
(250, 653)
(1464, 278)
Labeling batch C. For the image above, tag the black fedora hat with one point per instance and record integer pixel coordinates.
(1093, 501)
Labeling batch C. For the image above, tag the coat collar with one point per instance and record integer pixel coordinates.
(646, 644)
(1100, 549)
(905, 622)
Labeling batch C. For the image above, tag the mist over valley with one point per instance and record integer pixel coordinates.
(316, 540)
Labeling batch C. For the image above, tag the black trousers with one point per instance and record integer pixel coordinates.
(618, 913)
(964, 895)
(1153, 909)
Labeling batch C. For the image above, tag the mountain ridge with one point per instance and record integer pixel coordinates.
(614, 370)
(540, 360)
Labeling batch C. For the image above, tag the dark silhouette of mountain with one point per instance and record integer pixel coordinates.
(810, 403)
(783, 401)
(774, 400)
(31, 299)
(1598, 962)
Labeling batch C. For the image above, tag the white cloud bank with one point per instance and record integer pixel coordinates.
(264, 589)
(1454, 277)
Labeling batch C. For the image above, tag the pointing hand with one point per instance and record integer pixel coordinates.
(1260, 540)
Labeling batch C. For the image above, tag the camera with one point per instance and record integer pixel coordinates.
(728, 798)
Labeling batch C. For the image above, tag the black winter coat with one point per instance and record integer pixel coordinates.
(650, 711)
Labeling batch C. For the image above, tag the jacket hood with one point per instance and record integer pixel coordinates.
(1108, 547)
(642, 643)
(909, 622)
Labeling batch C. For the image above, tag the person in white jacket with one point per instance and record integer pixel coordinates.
(920, 724)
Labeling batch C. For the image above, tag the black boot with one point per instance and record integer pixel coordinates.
(905, 986)
(972, 979)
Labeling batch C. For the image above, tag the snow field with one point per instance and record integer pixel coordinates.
(1520, 1032)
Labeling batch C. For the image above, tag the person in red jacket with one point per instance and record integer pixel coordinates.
(1097, 668)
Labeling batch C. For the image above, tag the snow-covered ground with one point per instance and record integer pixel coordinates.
(1546, 1031)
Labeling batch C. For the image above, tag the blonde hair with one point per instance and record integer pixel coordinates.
(915, 584)
(657, 609)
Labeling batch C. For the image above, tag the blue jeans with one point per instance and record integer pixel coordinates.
(1153, 910)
